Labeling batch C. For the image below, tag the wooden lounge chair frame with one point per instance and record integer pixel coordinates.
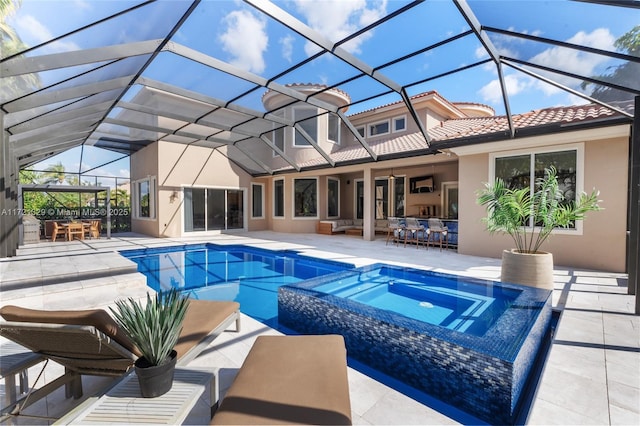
(100, 347)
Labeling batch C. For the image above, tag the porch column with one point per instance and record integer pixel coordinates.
(368, 219)
(8, 196)
(633, 252)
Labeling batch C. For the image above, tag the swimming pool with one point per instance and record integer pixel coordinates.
(470, 343)
(248, 275)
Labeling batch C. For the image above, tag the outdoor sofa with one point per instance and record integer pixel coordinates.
(337, 226)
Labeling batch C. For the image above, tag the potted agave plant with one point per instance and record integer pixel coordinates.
(154, 328)
(529, 219)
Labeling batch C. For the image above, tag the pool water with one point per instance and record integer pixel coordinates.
(250, 276)
(443, 300)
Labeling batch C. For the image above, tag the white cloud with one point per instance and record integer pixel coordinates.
(575, 61)
(246, 40)
(287, 47)
(336, 19)
(27, 24)
(492, 92)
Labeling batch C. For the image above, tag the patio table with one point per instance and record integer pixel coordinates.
(123, 404)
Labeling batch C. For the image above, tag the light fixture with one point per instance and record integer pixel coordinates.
(391, 176)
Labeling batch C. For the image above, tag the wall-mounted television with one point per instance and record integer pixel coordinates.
(421, 184)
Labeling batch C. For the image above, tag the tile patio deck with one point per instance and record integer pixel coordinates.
(592, 374)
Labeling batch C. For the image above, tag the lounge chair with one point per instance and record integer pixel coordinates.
(290, 380)
(90, 341)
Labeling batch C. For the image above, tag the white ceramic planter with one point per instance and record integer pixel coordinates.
(532, 269)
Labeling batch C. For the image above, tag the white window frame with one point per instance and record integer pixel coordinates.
(273, 204)
(579, 148)
(293, 129)
(293, 199)
(338, 181)
(395, 119)
(136, 198)
(370, 125)
(261, 185)
(337, 118)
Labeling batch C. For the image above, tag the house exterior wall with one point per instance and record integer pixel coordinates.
(602, 245)
(178, 166)
(144, 163)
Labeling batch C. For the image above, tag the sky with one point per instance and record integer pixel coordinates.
(240, 35)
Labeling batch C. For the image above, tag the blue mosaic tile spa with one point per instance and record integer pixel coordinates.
(470, 343)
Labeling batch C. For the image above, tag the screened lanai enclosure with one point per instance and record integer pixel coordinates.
(114, 77)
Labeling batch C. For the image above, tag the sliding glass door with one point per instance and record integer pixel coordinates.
(213, 209)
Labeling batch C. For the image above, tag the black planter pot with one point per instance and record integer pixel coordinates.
(155, 380)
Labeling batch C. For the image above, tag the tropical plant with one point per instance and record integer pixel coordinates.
(154, 327)
(624, 74)
(530, 219)
(55, 174)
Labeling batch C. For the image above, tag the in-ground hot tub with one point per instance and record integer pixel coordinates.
(470, 343)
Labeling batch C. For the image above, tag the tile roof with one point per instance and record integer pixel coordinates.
(461, 128)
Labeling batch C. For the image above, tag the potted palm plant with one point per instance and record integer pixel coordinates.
(154, 328)
(529, 219)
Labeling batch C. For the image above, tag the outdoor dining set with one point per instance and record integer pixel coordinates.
(69, 231)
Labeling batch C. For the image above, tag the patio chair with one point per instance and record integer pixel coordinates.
(94, 228)
(414, 230)
(89, 342)
(437, 228)
(58, 230)
(394, 229)
(75, 229)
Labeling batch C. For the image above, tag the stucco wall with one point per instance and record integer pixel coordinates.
(144, 163)
(601, 246)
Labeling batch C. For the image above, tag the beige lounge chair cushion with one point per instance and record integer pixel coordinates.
(202, 317)
(290, 380)
(97, 318)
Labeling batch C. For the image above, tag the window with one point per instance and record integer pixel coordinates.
(521, 170)
(360, 130)
(333, 132)
(278, 198)
(144, 198)
(305, 197)
(381, 128)
(399, 123)
(210, 209)
(333, 197)
(257, 200)
(398, 196)
(309, 125)
(277, 136)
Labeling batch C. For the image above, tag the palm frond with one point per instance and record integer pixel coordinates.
(155, 326)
